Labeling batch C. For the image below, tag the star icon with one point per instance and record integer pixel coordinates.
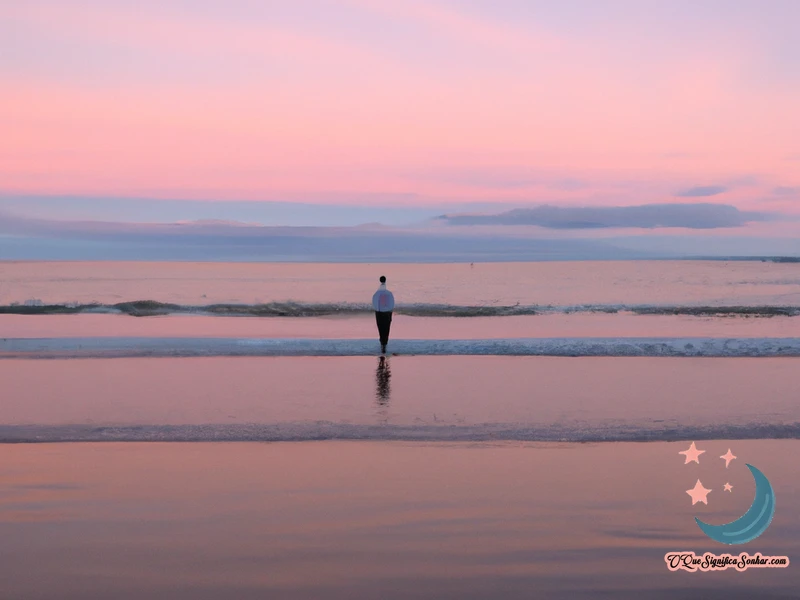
(692, 454)
(698, 493)
(728, 458)
(728, 487)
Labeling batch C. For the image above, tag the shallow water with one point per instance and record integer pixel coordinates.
(361, 520)
(476, 506)
(403, 326)
(425, 397)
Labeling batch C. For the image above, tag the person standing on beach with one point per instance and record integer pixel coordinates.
(383, 303)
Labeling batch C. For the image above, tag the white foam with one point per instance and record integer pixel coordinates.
(112, 347)
(289, 432)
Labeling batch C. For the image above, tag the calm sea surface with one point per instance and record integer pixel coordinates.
(547, 283)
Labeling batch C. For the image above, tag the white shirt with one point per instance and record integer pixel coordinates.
(383, 300)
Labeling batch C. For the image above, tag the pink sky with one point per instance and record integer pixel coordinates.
(605, 102)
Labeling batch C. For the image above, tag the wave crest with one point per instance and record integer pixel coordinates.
(147, 308)
(131, 347)
(305, 431)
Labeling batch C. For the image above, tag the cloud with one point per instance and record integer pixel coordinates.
(177, 33)
(744, 181)
(568, 184)
(702, 191)
(499, 177)
(26, 238)
(43, 239)
(693, 216)
(361, 208)
(474, 29)
(787, 191)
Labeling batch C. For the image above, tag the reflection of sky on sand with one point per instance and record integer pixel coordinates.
(389, 520)
(457, 390)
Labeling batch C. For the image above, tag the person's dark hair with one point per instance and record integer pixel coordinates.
(383, 279)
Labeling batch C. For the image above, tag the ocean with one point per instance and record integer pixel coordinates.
(555, 286)
(194, 430)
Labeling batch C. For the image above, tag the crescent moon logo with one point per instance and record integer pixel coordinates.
(752, 523)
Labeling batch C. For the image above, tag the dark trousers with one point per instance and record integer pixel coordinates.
(384, 321)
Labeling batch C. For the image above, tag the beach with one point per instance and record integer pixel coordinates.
(411, 300)
(535, 454)
(437, 397)
(380, 520)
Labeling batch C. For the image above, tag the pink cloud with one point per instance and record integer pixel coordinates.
(173, 33)
(343, 117)
(460, 25)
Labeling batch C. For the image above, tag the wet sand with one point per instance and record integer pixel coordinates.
(407, 390)
(381, 520)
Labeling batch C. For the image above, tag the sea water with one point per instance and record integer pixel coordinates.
(620, 351)
(523, 442)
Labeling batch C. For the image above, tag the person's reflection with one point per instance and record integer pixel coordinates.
(382, 376)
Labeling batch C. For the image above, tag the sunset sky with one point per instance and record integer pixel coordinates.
(403, 103)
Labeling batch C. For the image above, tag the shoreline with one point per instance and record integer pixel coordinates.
(152, 347)
(367, 395)
(299, 432)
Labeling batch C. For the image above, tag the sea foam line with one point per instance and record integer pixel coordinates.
(319, 431)
(146, 308)
(120, 347)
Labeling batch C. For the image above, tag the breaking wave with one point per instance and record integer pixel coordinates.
(147, 308)
(288, 432)
(118, 347)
